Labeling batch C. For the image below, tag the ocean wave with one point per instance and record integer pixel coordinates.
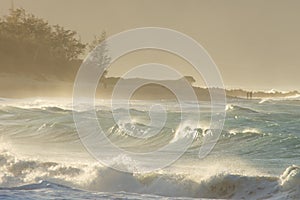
(253, 131)
(237, 108)
(295, 97)
(55, 109)
(56, 125)
(35, 186)
(29, 174)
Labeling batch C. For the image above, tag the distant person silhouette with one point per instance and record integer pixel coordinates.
(249, 95)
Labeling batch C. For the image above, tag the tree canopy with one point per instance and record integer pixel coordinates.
(28, 40)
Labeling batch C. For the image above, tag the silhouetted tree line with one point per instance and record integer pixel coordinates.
(29, 43)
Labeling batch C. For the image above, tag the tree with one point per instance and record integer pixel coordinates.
(97, 40)
(27, 39)
(99, 54)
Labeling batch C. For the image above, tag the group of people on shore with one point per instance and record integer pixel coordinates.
(249, 95)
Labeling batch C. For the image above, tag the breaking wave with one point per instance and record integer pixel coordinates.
(30, 174)
(41, 151)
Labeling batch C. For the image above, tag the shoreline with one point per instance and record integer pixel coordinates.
(19, 86)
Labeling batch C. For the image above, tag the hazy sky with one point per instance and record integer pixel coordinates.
(255, 43)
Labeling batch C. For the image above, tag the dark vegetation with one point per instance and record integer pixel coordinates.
(30, 45)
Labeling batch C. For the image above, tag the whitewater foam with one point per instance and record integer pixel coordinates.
(41, 152)
(28, 174)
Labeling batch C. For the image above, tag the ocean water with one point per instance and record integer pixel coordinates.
(256, 157)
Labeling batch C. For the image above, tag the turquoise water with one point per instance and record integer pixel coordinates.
(256, 156)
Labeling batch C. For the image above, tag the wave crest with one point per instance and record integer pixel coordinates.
(26, 174)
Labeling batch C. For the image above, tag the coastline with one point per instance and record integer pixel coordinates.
(14, 85)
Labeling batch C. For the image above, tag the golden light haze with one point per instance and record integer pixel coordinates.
(255, 43)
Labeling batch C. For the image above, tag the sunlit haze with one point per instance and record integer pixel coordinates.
(255, 44)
